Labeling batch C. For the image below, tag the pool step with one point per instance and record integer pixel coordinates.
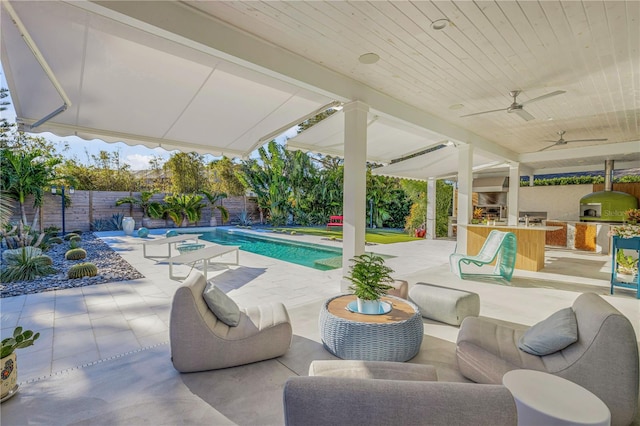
(330, 262)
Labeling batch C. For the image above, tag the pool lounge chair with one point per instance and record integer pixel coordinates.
(169, 241)
(205, 256)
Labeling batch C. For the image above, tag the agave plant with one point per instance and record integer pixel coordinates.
(27, 266)
(184, 208)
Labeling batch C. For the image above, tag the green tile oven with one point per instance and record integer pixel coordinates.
(607, 205)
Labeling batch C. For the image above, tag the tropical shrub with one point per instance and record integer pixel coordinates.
(75, 254)
(184, 208)
(143, 201)
(80, 270)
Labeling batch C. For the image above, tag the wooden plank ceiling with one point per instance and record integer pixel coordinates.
(589, 49)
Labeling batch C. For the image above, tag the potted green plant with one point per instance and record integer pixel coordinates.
(184, 208)
(20, 339)
(144, 202)
(627, 266)
(213, 198)
(369, 276)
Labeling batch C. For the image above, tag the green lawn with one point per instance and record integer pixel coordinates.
(379, 236)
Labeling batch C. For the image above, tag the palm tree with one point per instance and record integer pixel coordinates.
(24, 174)
(144, 201)
(213, 198)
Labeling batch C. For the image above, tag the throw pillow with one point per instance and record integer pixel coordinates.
(552, 334)
(221, 305)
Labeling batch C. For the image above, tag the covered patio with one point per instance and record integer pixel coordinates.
(227, 77)
(128, 376)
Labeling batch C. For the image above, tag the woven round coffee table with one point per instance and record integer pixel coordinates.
(395, 336)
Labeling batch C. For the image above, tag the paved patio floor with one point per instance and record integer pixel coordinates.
(91, 328)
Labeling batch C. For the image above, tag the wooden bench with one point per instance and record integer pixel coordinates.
(169, 241)
(499, 247)
(203, 255)
(335, 221)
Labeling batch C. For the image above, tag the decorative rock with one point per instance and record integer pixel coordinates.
(171, 233)
(143, 232)
(112, 268)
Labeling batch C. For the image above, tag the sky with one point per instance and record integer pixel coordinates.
(136, 156)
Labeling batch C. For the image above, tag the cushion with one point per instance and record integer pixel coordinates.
(221, 305)
(551, 335)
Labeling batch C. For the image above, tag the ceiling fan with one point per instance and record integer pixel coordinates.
(562, 141)
(517, 107)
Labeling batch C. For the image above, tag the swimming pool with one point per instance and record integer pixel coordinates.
(306, 254)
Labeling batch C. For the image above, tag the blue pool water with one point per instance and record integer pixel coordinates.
(312, 255)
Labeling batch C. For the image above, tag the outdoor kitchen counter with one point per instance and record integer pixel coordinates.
(531, 242)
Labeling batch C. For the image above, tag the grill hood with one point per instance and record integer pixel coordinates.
(491, 184)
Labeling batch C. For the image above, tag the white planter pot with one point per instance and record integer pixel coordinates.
(128, 225)
(369, 306)
(9, 368)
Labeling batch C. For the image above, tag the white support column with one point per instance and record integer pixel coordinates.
(431, 209)
(530, 180)
(465, 202)
(512, 196)
(355, 183)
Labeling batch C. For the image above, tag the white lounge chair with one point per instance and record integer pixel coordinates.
(169, 240)
(203, 255)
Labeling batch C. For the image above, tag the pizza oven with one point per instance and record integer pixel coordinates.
(607, 205)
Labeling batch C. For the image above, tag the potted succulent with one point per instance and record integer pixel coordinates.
(20, 339)
(369, 276)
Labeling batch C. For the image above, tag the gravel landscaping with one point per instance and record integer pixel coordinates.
(111, 268)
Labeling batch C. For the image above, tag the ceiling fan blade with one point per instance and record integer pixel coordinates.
(539, 98)
(587, 140)
(547, 147)
(484, 112)
(523, 114)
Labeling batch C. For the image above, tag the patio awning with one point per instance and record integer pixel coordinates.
(387, 138)
(440, 164)
(117, 81)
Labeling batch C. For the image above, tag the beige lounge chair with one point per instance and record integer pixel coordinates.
(200, 341)
(205, 256)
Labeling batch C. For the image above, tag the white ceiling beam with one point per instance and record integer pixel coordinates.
(619, 165)
(186, 25)
(582, 152)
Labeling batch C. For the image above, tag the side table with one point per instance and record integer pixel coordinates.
(395, 336)
(545, 399)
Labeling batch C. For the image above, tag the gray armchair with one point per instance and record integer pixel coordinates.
(200, 341)
(604, 360)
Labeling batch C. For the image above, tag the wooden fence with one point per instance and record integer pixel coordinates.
(87, 206)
